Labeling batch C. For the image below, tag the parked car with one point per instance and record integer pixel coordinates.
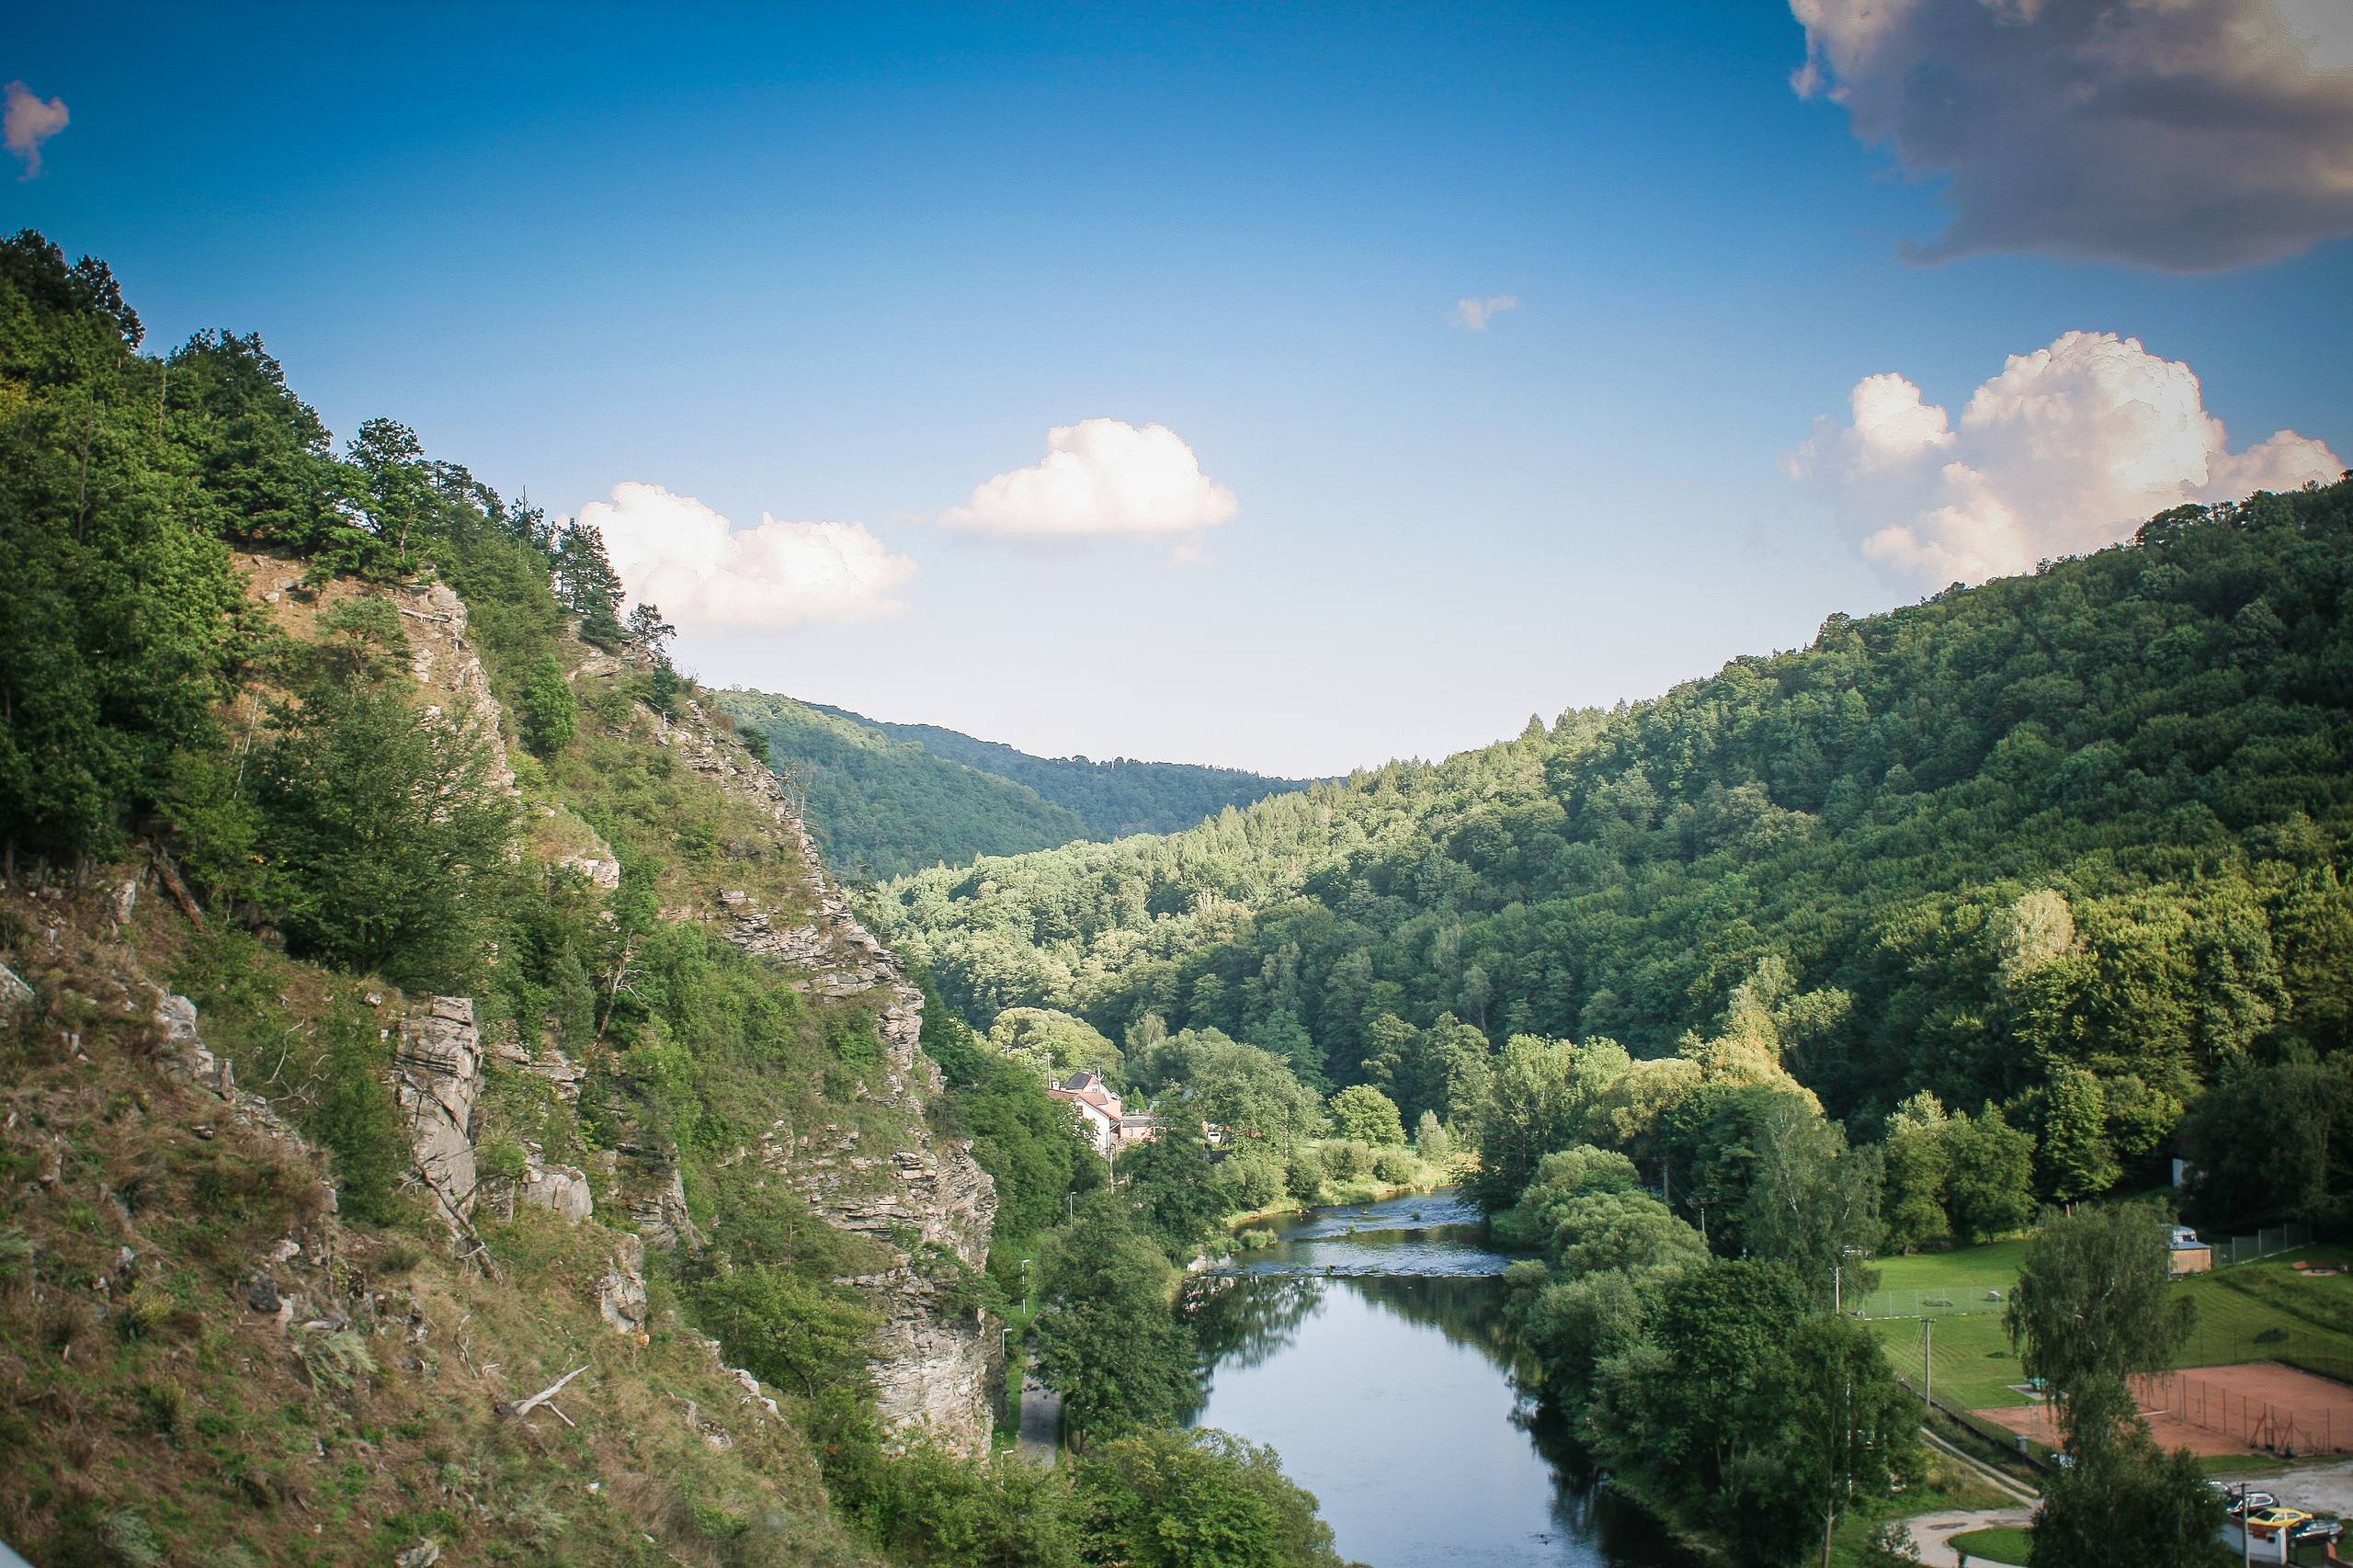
(2265, 1523)
(2317, 1529)
(2239, 1502)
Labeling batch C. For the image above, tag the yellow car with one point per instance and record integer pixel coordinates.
(2265, 1523)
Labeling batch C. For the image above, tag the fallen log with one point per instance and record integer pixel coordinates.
(519, 1409)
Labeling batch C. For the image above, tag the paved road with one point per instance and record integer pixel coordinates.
(2316, 1488)
(2327, 1489)
(1041, 1419)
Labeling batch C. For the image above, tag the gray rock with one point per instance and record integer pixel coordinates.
(564, 1188)
(261, 1294)
(437, 1073)
(14, 992)
(620, 1294)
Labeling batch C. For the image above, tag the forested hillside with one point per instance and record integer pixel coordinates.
(882, 807)
(1115, 798)
(886, 799)
(2075, 844)
(445, 1112)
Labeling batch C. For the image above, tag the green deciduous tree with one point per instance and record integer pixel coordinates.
(1106, 1337)
(2092, 1303)
(2124, 1501)
(1990, 1188)
(1364, 1113)
(1197, 1500)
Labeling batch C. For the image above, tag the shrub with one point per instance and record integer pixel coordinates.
(148, 1308)
(786, 1330)
(502, 1158)
(1347, 1159)
(160, 1406)
(358, 1120)
(1395, 1166)
(1252, 1181)
(546, 711)
(1303, 1175)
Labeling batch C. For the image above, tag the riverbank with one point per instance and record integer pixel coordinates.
(1443, 1179)
(1367, 1346)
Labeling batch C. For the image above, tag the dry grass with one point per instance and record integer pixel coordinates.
(148, 1412)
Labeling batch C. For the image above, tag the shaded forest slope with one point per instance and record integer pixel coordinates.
(887, 799)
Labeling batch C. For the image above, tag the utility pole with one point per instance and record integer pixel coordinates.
(1928, 1367)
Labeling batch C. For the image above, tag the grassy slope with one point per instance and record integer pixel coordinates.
(152, 1415)
(2004, 1544)
(195, 1430)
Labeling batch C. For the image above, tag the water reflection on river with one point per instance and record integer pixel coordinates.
(1367, 1346)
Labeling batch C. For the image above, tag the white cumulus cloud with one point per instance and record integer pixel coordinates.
(710, 576)
(2068, 449)
(1473, 313)
(1101, 478)
(2184, 135)
(28, 121)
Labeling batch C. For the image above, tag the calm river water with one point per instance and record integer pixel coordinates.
(1367, 1347)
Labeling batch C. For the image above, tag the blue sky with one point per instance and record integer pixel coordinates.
(848, 266)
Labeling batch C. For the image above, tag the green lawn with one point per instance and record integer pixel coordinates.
(2002, 1543)
(1974, 1364)
(1997, 1263)
(2250, 1312)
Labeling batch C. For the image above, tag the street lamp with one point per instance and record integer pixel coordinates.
(1837, 1295)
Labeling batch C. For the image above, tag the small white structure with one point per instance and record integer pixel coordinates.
(1099, 1107)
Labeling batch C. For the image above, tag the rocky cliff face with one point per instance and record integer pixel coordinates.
(925, 1201)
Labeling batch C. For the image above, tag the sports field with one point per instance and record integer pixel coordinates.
(2297, 1325)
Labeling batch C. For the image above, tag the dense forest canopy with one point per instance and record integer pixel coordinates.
(886, 799)
(2073, 843)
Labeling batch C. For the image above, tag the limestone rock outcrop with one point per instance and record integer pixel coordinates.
(932, 1372)
(437, 1077)
(440, 659)
(620, 1294)
(564, 1188)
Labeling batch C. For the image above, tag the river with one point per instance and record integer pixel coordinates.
(1366, 1346)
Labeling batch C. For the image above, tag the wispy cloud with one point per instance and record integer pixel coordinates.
(2067, 451)
(1472, 314)
(27, 121)
(2188, 136)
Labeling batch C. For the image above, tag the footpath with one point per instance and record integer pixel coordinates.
(1040, 1433)
(1931, 1534)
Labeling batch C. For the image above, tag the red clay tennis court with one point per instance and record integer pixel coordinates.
(2252, 1407)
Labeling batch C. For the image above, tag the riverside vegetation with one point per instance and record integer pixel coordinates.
(1988, 903)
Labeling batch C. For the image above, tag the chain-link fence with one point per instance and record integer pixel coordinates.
(1943, 1301)
(2263, 1244)
(2262, 1405)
